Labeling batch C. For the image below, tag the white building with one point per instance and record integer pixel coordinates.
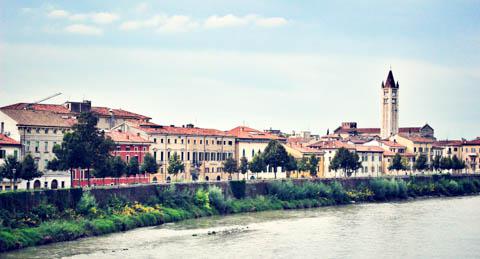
(8, 147)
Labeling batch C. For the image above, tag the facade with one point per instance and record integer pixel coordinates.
(349, 129)
(471, 154)
(37, 132)
(389, 123)
(301, 151)
(451, 148)
(203, 151)
(128, 145)
(250, 142)
(418, 146)
(391, 148)
(8, 147)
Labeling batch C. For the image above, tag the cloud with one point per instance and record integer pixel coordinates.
(271, 22)
(83, 29)
(58, 14)
(104, 17)
(177, 23)
(228, 20)
(142, 8)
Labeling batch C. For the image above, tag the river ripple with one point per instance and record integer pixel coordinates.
(438, 228)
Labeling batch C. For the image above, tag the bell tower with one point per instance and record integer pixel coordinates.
(389, 126)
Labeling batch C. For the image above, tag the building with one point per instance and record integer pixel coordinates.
(107, 117)
(391, 148)
(128, 145)
(8, 147)
(390, 98)
(299, 151)
(417, 145)
(451, 148)
(250, 142)
(203, 151)
(349, 129)
(36, 130)
(471, 154)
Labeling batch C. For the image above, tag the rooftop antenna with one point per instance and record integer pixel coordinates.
(29, 106)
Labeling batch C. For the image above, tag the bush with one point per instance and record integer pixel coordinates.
(217, 199)
(238, 189)
(201, 199)
(100, 226)
(45, 211)
(87, 205)
(338, 193)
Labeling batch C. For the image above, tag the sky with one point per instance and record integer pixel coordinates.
(289, 65)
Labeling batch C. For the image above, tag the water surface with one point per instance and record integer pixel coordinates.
(439, 228)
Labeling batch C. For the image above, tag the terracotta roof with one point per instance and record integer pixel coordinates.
(376, 149)
(474, 142)
(105, 111)
(341, 130)
(295, 140)
(7, 141)
(57, 108)
(244, 132)
(418, 139)
(118, 136)
(194, 131)
(391, 143)
(335, 144)
(39, 118)
(304, 149)
(444, 143)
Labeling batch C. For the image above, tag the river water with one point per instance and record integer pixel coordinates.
(439, 228)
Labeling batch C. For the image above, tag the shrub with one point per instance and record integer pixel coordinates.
(201, 199)
(87, 205)
(238, 189)
(45, 211)
(217, 199)
(338, 193)
(100, 226)
(452, 187)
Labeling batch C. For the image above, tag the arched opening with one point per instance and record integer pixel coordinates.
(252, 177)
(218, 178)
(154, 180)
(207, 178)
(36, 184)
(54, 184)
(168, 179)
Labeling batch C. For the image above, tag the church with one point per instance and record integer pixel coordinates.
(389, 124)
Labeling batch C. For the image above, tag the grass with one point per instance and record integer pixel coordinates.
(87, 219)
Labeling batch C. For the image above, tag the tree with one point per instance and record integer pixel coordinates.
(149, 164)
(291, 165)
(446, 163)
(345, 160)
(230, 166)
(436, 163)
(275, 156)
(302, 165)
(257, 164)
(104, 170)
(10, 169)
(421, 163)
(85, 147)
(243, 168)
(133, 167)
(29, 169)
(175, 166)
(118, 167)
(457, 164)
(397, 163)
(312, 165)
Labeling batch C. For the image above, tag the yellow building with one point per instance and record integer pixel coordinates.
(299, 151)
(417, 145)
(471, 154)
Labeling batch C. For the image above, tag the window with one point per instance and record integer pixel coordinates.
(46, 146)
(213, 156)
(46, 131)
(168, 155)
(161, 141)
(15, 153)
(161, 156)
(253, 153)
(175, 141)
(188, 156)
(154, 140)
(128, 159)
(45, 184)
(182, 140)
(243, 152)
(182, 155)
(135, 148)
(168, 141)
(3, 154)
(194, 141)
(188, 141)
(37, 130)
(144, 148)
(127, 148)
(230, 143)
(201, 141)
(155, 155)
(224, 142)
(29, 130)
(37, 146)
(414, 149)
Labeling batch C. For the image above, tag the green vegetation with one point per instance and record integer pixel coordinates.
(56, 218)
(175, 165)
(275, 156)
(347, 161)
(13, 169)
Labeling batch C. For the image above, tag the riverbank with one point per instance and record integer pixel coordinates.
(48, 223)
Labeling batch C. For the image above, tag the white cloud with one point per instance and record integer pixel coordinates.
(229, 20)
(104, 17)
(142, 8)
(140, 24)
(271, 22)
(58, 14)
(78, 17)
(177, 23)
(83, 29)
